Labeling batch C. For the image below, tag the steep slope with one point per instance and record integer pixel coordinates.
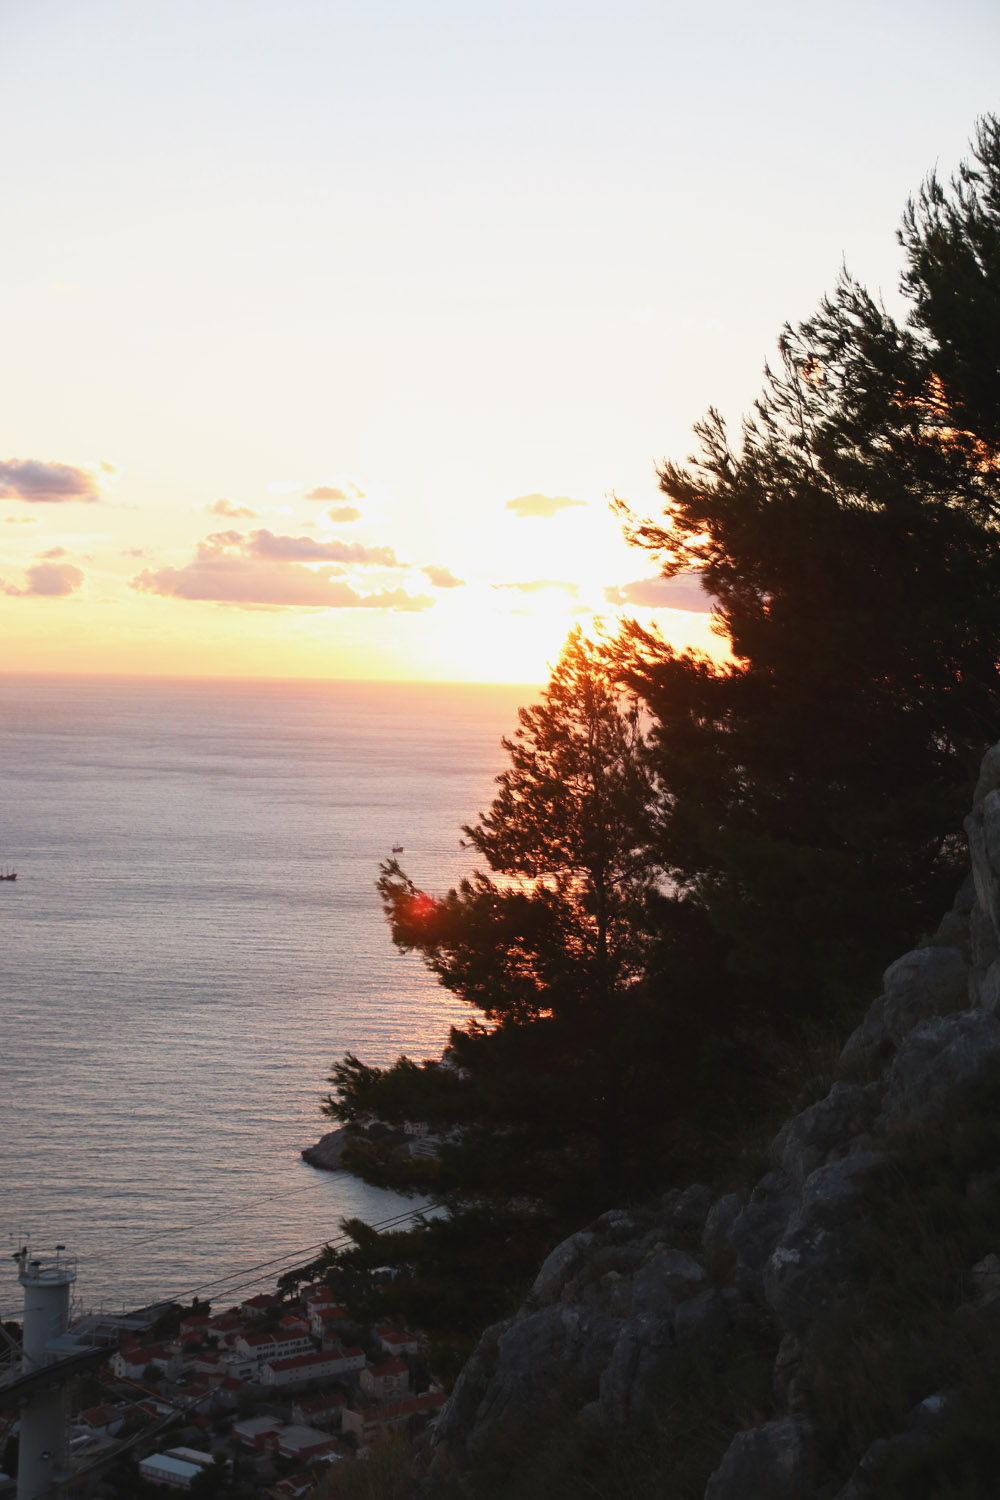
(829, 1334)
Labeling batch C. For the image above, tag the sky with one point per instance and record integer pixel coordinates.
(329, 327)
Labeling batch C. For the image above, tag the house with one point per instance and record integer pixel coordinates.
(292, 1326)
(225, 1327)
(191, 1456)
(386, 1381)
(257, 1433)
(293, 1488)
(172, 1473)
(304, 1443)
(261, 1346)
(367, 1418)
(301, 1368)
(101, 1421)
(260, 1306)
(316, 1295)
(325, 1319)
(195, 1327)
(394, 1342)
(130, 1363)
(319, 1411)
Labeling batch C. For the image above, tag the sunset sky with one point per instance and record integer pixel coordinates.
(329, 326)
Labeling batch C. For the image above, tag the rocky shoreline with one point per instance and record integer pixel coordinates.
(327, 1151)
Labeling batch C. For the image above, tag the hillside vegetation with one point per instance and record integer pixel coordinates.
(694, 876)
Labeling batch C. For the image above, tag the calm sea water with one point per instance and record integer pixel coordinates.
(194, 936)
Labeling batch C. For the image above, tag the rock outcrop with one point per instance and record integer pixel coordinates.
(327, 1151)
(630, 1318)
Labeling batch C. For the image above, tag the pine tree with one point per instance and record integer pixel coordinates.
(816, 784)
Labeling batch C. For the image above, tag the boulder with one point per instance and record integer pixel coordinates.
(327, 1151)
(829, 1128)
(939, 1060)
(773, 1462)
(924, 983)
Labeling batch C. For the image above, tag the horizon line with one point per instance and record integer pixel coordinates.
(7, 673)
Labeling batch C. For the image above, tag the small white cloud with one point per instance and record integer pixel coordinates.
(442, 578)
(234, 512)
(344, 492)
(541, 586)
(685, 591)
(307, 549)
(542, 506)
(341, 513)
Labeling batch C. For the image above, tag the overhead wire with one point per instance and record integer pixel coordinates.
(267, 1266)
(241, 1277)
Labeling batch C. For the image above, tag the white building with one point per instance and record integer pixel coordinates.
(174, 1473)
(301, 1368)
(386, 1381)
(304, 1443)
(261, 1346)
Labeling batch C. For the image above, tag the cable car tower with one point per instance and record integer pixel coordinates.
(51, 1356)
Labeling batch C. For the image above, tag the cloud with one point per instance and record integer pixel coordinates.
(231, 569)
(339, 513)
(306, 549)
(540, 585)
(31, 479)
(234, 512)
(347, 492)
(442, 578)
(56, 552)
(683, 592)
(47, 580)
(20, 520)
(541, 505)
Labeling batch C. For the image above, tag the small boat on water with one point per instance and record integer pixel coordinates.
(397, 848)
(7, 873)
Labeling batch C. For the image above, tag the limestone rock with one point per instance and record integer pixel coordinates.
(558, 1265)
(924, 983)
(938, 1061)
(815, 1254)
(826, 1129)
(869, 1046)
(758, 1227)
(327, 1151)
(685, 1211)
(773, 1462)
(716, 1236)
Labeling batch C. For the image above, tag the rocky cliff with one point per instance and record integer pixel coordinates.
(830, 1332)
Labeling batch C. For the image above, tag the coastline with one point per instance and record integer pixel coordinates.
(327, 1151)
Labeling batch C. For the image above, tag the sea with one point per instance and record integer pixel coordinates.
(193, 938)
